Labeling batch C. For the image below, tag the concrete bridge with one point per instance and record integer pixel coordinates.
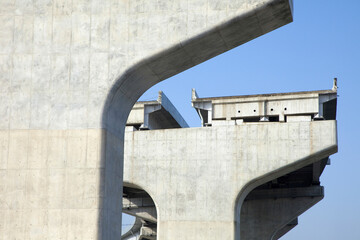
(71, 72)
(249, 172)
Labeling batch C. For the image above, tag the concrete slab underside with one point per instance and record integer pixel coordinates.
(69, 68)
(266, 217)
(199, 177)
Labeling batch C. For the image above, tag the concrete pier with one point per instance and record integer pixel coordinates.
(247, 174)
(70, 74)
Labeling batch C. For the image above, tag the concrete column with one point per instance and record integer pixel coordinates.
(54, 184)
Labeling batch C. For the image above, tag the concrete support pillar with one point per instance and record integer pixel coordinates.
(59, 182)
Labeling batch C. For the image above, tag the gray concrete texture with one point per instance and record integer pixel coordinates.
(70, 72)
(270, 209)
(199, 177)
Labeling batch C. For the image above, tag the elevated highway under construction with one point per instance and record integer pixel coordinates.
(251, 170)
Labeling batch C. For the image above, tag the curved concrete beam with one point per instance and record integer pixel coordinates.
(227, 32)
(71, 72)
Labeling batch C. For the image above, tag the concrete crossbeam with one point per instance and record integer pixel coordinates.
(183, 169)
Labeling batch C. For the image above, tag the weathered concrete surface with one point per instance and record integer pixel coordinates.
(200, 180)
(271, 209)
(51, 187)
(69, 66)
(61, 58)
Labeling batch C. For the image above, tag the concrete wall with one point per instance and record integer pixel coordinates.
(50, 184)
(68, 68)
(199, 177)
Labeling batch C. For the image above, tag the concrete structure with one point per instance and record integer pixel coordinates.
(248, 173)
(147, 115)
(70, 74)
(159, 114)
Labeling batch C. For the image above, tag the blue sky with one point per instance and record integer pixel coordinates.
(323, 42)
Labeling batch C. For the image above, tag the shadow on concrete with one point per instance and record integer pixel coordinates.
(143, 75)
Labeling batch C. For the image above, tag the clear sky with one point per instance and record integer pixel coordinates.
(323, 42)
